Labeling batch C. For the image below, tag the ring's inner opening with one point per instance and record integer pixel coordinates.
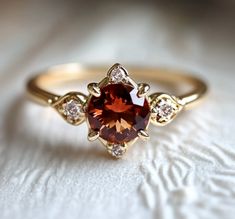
(73, 77)
(57, 80)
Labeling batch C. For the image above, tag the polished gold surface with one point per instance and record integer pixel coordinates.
(39, 86)
(164, 107)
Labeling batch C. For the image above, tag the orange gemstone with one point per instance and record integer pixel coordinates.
(118, 114)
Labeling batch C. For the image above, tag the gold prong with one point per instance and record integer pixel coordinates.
(143, 89)
(116, 65)
(93, 135)
(94, 89)
(143, 135)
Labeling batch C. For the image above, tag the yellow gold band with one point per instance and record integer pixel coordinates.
(39, 86)
(118, 110)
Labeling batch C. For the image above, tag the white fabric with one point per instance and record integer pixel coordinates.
(47, 167)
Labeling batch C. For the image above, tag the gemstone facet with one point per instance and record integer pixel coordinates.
(118, 114)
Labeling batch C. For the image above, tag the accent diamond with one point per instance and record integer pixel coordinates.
(117, 150)
(118, 75)
(164, 108)
(73, 109)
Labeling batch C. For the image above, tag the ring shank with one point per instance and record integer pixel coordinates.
(38, 86)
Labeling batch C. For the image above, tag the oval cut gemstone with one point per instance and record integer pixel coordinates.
(118, 114)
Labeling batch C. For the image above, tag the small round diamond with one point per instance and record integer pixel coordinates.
(164, 109)
(118, 75)
(73, 109)
(117, 150)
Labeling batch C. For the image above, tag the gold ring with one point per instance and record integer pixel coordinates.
(118, 110)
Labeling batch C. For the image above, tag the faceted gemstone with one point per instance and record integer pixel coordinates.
(118, 75)
(118, 114)
(117, 150)
(73, 109)
(164, 109)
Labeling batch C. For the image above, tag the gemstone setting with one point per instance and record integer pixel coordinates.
(117, 150)
(73, 110)
(119, 113)
(164, 108)
(71, 107)
(118, 75)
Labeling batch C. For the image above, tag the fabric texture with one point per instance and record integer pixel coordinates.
(47, 167)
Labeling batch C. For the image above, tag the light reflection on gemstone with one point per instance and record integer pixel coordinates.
(118, 114)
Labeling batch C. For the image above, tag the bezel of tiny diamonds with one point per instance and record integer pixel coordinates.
(116, 150)
(164, 108)
(71, 107)
(117, 74)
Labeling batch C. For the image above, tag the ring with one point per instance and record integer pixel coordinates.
(118, 110)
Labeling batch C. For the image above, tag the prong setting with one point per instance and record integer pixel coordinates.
(116, 150)
(109, 101)
(117, 74)
(93, 135)
(164, 108)
(117, 110)
(143, 89)
(71, 107)
(94, 89)
(143, 135)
